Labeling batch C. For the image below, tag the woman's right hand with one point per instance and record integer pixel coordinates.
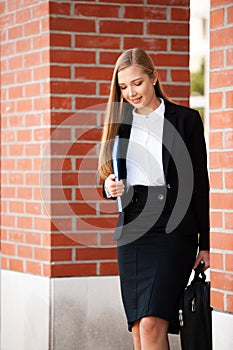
(114, 187)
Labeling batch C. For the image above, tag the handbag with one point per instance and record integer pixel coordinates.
(195, 313)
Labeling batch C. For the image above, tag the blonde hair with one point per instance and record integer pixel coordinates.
(116, 104)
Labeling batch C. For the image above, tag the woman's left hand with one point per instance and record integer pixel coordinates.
(204, 256)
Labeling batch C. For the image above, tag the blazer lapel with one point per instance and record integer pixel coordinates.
(124, 135)
(169, 129)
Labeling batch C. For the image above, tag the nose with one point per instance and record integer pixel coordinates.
(131, 91)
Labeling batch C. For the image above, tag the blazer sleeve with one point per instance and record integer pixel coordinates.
(198, 153)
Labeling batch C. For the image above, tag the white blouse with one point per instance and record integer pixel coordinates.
(144, 156)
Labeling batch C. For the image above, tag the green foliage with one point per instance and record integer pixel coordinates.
(197, 81)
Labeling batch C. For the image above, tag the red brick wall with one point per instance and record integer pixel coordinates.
(221, 152)
(25, 110)
(57, 62)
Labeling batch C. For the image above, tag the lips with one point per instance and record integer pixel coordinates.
(136, 100)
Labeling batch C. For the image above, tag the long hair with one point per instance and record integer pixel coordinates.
(116, 104)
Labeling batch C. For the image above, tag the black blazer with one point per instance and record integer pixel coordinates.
(185, 169)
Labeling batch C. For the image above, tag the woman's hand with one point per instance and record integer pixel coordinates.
(114, 187)
(203, 256)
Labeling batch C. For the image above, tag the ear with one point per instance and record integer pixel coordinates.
(155, 77)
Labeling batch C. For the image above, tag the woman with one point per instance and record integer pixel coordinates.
(163, 229)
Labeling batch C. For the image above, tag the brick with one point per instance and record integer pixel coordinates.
(216, 99)
(40, 73)
(221, 200)
(15, 236)
(229, 303)
(121, 27)
(40, 10)
(86, 164)
(55, 8)
(60, 239)
(16, 207)
(15, 32)
(8, 220)
(15, 92)
(87, 194)
(42, 41)
(221, 160)
(216, 219)
(220, 240)
(109, 57)
(32, 238)
(230, 15)
(72, 24)
(103, 223)
(216, 59)
(158, 28)
(23, 45)
(172, 60)
(221, 280)
(32, 149)
(146, 12)
(158, 44)
(170, 2)
(104, 89)
(95, 41)
(229, 262)
(60, 72)
(42, 254)
(180, 14)
(180, 45)
(106, 239)
(33, 267)
(31, 28)
(61, 102)
(23, 15)
(109, 268)
(24, 76)
(8, 49)
(16, 265)
(15, 63)
(91, 102)
(87, 178)
(229, 140)
(61, 254)
(95, 254)
(217, 18)
(4, 263)
(228, 221)
(216, 261)
(93, 73)
(60, 164)
(229, 180)
(99, 11)
(221, 37)
(221, 78)
(61, 224)
(221, 120)
(63, 40)
(218, 3)
(229, 100)
(69, 270)
(229, 59)
(216, 140)
(216, 179)
(8, 248)
(217, 299)
(73, 87)
(42, 224)
(24, 251)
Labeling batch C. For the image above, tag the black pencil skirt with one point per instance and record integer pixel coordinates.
(154, 267)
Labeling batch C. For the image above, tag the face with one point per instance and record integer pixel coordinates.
(137, 88)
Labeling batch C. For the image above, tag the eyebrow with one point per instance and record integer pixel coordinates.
(132, 81)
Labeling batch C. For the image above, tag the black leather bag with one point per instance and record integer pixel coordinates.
(195, 314)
